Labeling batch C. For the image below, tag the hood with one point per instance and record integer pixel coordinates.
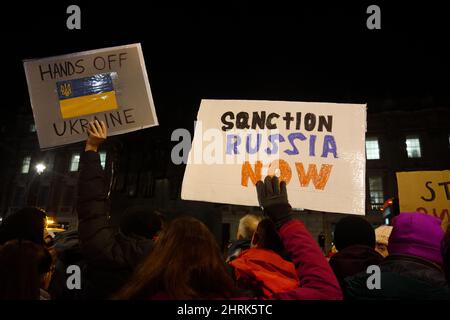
(236, 247)
(266, 271)
(239, 244)
(417, 234)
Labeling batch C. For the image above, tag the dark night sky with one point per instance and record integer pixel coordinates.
(321, 52)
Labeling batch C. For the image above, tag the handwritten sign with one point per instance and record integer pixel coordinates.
(68, 91)
(425, 191)
(317, 148)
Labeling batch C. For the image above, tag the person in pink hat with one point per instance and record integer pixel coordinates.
(414, 267)
(446, 254)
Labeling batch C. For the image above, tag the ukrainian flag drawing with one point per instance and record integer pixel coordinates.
(79, 97)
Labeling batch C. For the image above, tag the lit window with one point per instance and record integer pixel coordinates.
(372, 149)
(376, 191)
(102, 158)
(26, 164)
(32, 127)
(413, 147)
(74, 162)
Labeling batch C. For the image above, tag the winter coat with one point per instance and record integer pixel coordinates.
(353, 260)
(402, 277)
(317, 280)
(68, 253)
(264, 271)
(111, 256)
(236, 248)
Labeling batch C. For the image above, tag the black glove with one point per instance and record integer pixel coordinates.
(272, 197)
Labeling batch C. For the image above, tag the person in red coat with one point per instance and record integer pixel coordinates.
(317, 280)
(261, 269)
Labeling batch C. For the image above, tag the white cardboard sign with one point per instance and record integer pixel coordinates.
(317, 148)
(68, 91)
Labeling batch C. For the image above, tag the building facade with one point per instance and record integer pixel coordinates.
(395, 141)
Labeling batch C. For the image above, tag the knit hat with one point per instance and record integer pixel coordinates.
(417, 234)
(141, 221)
(382, 234)
(353, 230)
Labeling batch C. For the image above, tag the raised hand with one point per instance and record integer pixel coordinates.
(272, 197)
(97, 135)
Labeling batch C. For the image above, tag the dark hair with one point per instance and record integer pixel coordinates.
(353, 230)
(185, 264)
(141, 221)
(22, 264)
(267, 237)
(26, 224)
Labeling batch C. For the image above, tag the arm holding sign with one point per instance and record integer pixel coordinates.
(100, 241)
(317, 280)
(97, 135)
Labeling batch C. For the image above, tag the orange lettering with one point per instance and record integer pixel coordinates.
(319, 180)
(247, 172)
(285, 170)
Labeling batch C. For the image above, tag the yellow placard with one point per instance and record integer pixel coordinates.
(426, 192)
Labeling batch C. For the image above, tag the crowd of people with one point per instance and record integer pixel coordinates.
(274, 256)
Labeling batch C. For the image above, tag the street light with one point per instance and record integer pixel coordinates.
(40, 168)
(34, 183)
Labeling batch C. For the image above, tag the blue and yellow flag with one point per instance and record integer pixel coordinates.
(79, 97)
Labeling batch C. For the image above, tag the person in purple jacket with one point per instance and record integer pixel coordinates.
(414, 267)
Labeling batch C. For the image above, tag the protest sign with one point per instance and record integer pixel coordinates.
(68, 91)
(317, 148)
(425, 191)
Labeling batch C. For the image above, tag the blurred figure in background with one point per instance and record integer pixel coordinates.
(25, 224)
(27, 257)
(246, 229)
(354, 238)
(25, 271)
(332, 252)
(382, 234)
(261, 269)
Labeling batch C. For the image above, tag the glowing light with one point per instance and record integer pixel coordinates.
(40, 168)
